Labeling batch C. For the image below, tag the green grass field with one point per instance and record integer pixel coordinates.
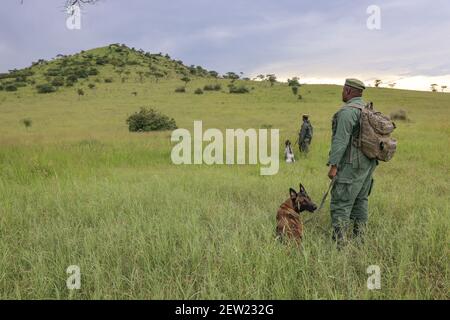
(76, 188)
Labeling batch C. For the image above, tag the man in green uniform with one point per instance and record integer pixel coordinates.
(350, 168)
(305, 135)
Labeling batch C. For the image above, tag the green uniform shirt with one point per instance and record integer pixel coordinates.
(306, 131)
(346, 126)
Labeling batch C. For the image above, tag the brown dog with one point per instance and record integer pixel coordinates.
(289, 224)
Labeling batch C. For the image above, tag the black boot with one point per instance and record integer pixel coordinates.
(338, 237)
(359, 229)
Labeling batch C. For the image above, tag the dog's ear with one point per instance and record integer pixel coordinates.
(302, 189)
(293, 194)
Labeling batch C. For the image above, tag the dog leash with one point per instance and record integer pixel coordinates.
(323, 199)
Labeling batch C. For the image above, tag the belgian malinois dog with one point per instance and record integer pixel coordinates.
(289, 223)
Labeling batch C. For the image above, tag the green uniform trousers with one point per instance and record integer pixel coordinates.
(304, 146)
(349, 196)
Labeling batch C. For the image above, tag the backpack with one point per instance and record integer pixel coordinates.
(375, 130)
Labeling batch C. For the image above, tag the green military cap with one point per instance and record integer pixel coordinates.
(355, 83)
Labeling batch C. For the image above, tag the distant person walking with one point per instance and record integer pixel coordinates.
(351, 169)
(305, 135)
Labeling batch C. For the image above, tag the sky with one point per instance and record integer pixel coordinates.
(318, 41)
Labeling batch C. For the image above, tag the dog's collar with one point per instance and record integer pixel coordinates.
(289, 209)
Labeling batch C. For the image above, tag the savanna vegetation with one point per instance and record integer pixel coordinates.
(78, 188)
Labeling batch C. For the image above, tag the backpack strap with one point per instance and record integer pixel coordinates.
(357, 142)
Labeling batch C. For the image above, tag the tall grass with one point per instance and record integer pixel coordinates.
(78, 189)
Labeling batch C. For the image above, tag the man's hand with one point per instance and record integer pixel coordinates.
(333, 172)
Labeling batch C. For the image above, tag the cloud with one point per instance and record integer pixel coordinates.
(320, 39)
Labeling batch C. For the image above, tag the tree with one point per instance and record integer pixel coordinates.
(231, 75)
(214, 74)
(185, 80)
(70, 3)
(80, 93)
(27, 123)
(261, 77)
(272, 79)
(433, 87)
(443, 88)
(377, 83)
(294, 82)
(392, 85)
(294, 90)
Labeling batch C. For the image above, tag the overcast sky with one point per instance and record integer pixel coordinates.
(320, 41)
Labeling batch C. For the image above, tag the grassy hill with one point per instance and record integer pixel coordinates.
(78, 189)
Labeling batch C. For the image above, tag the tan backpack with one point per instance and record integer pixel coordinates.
(375, 130)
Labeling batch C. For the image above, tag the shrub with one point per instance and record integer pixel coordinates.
(45, 88)
(93, 72)
(293, 83)
(20, 84)
(210, 87)
(10, 88)
(27, 123)
(180, 90)
(240, 89)
(81, 73)
(72, 78)
(1, 87)
(198, 91)
(101, 61)
(91, 86)
(108, 80)
(294, 90)
(58, 82)
(399, 115)
(150, 120)
(53, 72)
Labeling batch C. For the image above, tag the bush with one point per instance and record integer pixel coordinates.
(20, 84)
(53, 72)
(72, 78)
(293, 83)
(101, 61)
(91, 86)
(108, 80)
(81, 73)
(240, 89)
(10, 88)
(198, 91)
(210, 87)
(27, 122)
(180, 90)
(45, 88)
(58, 82)
(150, 120)
(1, 87)
(399, 115)
(93, 72)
